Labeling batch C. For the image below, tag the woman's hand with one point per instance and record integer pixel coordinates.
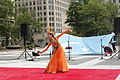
(38, 52)
(69, 29)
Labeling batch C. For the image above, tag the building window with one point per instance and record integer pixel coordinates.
(40, 7)
(119, 1)
(18, 4)
(38, 14)
(57, 30)
(50, 1)
(49, 18)
(45, 30)
(58, 25)
(49, 13)
(30, 3)
(15, 4)
(40, 19)
(34, 8)
(30, 8)
(114, 1)
(33, 2)
(50, 24)
(44, 2)
(45, 24)
(52, 18)
(26, 3)
(44, 7)
(52, 29)
(44, 13)
(23, 4)
(45, 19)
(52, 13)
(51, 7)
(39, 2)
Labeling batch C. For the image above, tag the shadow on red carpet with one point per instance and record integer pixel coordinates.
(72, 74)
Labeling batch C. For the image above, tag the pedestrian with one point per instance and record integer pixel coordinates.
(113, 41)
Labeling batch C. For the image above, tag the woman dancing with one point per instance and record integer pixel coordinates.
(57, 62)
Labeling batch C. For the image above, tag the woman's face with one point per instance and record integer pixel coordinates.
(49, 36)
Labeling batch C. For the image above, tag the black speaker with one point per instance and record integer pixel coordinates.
(24, 29)
(117, 25)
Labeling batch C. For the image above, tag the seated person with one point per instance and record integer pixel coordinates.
(34, 53)
(107, 50)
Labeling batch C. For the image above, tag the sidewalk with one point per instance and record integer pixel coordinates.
(10, 59)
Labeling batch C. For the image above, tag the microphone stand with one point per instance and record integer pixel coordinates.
(25, 53)
(101, 48)
(69, 46)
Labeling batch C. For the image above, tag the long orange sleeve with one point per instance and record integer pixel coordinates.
(49, 44)
(62, 33)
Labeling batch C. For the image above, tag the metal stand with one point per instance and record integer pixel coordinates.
(68, 47)
(25, 51)
(101, 50)
(101, 47)
(115, 55)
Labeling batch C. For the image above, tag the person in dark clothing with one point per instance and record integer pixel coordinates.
(107, 50)
(113, 41)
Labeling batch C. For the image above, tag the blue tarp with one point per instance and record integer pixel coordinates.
(84, 45)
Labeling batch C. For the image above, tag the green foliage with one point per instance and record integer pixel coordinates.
(23, 16)
(27, 17)
(6, 17)
(91, 17)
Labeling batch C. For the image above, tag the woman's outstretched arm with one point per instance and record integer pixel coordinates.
(46, 48)
(63, 33)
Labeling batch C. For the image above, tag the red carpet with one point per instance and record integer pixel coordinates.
(72, 74)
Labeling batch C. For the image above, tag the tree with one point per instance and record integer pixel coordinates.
(94, 17)
(27, 17)
(6, 17)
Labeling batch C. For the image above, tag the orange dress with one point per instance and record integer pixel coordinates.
(57, 62)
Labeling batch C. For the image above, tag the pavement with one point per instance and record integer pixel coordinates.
(9, 58)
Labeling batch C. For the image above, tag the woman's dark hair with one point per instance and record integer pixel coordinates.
(51, 34)
(46, 43)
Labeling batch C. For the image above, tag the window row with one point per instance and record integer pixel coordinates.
(41, 8)
(26, 3)
(53, 30)
(50, 13)
(51, 7)
(42, 19)
(60, 9)
(59, 30)
(61, 4)
(57, 25)
(58, 14)
(115, 1)
(51, 19)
